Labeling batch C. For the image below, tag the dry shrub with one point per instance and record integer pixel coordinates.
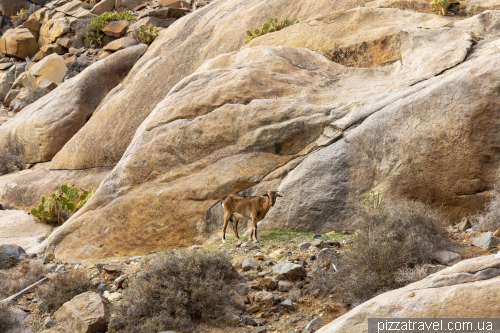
(62, 287)
(394, 237)
(20, 277)
(6, 319)
(7, 262)
(34, 94)
(9, 162)
(176, 291)
(490, 219)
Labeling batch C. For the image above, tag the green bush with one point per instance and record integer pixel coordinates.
(442, 5)
(176, 291)
(145, 34)
(62, 287)
(392, 237)
(98, 22)
(19, 18)
(61, 205)
(271, 25)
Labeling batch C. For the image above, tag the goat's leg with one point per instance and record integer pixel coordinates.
(227, 217)
(254, 229)
(235, 230)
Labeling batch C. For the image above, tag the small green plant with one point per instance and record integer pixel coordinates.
(61, 205)
(372, 200)
(271, 25)
(362, 4)
(146, 34)
(19, 18)
(442, 5)
(98, 22)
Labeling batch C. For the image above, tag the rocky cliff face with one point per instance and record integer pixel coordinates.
(317, 111)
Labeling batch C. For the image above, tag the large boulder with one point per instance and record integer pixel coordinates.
(42, 128)
(468, 289)
(85, 313)
(311, 124)
(21, 229)
(19, 43)
(52, 68)
(9, 250)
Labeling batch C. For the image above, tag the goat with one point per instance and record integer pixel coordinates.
(237, 207)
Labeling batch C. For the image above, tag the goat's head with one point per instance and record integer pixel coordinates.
(272, 196)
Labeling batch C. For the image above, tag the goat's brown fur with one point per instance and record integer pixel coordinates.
(238, 208)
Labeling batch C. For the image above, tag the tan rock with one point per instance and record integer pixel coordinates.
(75, 8)
(53, 29)
(121, 44)
(115, 28)
(150, 20)
(60, 114)
(174, 4)
(39, 15)
(64, 42)
(52, 68)
(46, 84)
(466, 290)
(18, 42)
(70, 59)
(104, 55)
(19, 228)
(48, 50)
(85, 313)
(32, 25)
(3, 120)
(10, 97)
(103, 6)
(128, 4)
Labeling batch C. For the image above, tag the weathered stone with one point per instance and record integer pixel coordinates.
(115, 28)
(19, 43)
(114, 297)
(174, 4)
(486, 241)
(248, 264)
(121, 44)
(75, 8)
(304, 245)
(314, 325)
(238, 301)
(47, 84)
(284, 286)
(447, 257)
(269, 282)
(21, 229)
(44, 143)
(52, 68)
(49, 323)
(32, 25)
(287, 304)
(129, 4)
(252, 308)
(103, 6)
(289, 270)
(60, 268)
(464, 224)
(85, 313)
(467, 289)
(134, 27)
(9, 250)
(119, 280)
(242, 289)
(114, 268)
(52, 30)
(264, 297)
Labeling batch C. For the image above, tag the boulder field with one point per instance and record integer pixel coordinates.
(318, 111)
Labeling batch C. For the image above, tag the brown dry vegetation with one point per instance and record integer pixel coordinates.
(392, 242)
(177, 290)
(21, 276)
(9, 162)
(62, 287)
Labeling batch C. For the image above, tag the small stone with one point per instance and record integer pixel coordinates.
(259, 256)
(497, 233)
(250, 322)
(270, 283)
(486, 241)
(304, 245)
(447, 257)
(317, 243)
(289, 270)
(101, 288)
(114, 268)
(313, 257)
(326, 256)
(119, 280)
(302, 262)
(260, 329)
(49, 323)
(252, 308)
(74, 262)
(464, 224)
(295, 294)
(242, 289)
(216, 239)
(268, 263)
(51, 267)
(316, 236)
(264, 297)
(280, 277)
(114, 297)
(248, 264)
(284, 286)
(286, 304)
(276, 318)
(314, 325)
(232, 320)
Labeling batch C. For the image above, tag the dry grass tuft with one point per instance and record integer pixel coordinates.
(21, 276)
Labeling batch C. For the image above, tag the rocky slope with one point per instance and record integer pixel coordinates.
(407, 107)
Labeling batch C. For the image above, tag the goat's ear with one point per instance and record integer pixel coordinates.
(265, 195)
(278, 195)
